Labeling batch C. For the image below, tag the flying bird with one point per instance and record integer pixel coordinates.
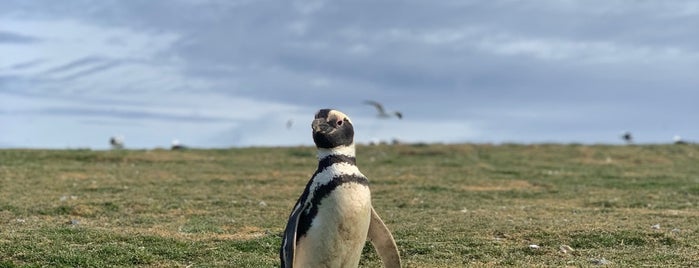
(334, 217)
(381, 111)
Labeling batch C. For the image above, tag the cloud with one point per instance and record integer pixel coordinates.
(194, 119)
(69, 46)
(479, 70)
(26, 64)
(596, 52)
(92, 70)
(139, 115)
(79, 64)
(15, 38)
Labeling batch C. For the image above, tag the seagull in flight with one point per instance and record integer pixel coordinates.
(382, 111)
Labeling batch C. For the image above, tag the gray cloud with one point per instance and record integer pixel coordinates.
(27, 64)
(126, 114)
(77, 63)
(544, 69)
(11, 37)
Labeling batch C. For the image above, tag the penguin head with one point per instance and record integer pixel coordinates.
(331, 129)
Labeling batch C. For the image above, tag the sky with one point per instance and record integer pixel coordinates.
(237, 73)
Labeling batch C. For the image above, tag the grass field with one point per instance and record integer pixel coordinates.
(447, 205)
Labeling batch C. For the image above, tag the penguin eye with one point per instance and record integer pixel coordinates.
(339, 122)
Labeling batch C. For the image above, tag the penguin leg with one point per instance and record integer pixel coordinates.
(383, 242)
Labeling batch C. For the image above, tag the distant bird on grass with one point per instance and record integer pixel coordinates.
(381, 111)
(679, 140)
(117, 142)
(627, 137)
(177, 145)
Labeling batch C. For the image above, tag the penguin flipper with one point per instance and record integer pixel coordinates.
(288, 248)
(383, 242)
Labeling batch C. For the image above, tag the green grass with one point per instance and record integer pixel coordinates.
(447, 205)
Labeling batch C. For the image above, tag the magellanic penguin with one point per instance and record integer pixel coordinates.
(334, 217)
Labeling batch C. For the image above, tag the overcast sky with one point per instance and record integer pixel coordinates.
(233, 73)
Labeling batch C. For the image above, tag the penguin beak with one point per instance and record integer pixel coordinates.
(319, 125)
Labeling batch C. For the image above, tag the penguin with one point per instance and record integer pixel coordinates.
(334, 217)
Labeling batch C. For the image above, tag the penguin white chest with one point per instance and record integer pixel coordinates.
(339, 230)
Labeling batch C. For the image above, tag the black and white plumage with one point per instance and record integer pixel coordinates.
(627, 137)
(117, 142)
(177, 145)
(334, 217)
(381, 111)
(678, 140)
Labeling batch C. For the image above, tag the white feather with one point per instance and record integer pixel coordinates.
(339, 231)
(325, 176)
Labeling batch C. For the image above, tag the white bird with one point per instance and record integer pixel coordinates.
(679, 140)
(334, 217)
(177, 145)
(117, 142)
(381, 111)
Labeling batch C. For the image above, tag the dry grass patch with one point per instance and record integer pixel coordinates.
(513, 185)
(447, 205)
